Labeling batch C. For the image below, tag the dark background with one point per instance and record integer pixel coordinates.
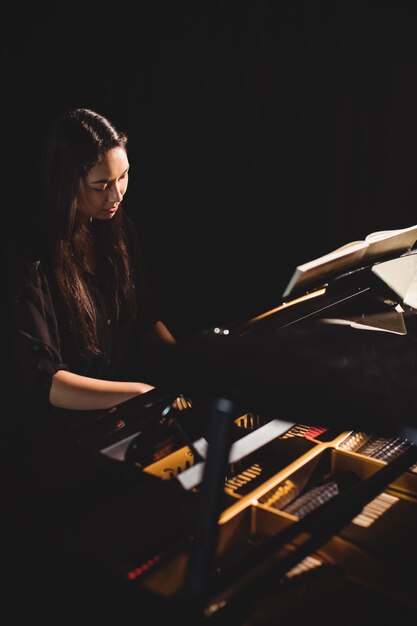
(263, 133)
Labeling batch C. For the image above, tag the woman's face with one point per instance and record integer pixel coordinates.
(101, 191)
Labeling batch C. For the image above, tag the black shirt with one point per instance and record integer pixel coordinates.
(41, 343)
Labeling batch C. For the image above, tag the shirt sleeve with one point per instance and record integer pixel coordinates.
(35, 339)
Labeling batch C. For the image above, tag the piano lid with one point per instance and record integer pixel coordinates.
(344, 353)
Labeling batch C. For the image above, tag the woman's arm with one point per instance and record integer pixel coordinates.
(158, 335)
(72, 391)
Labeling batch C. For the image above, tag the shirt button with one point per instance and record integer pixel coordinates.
(35, 347)
(108, 322)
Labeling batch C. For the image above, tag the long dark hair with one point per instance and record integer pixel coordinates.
(73, 145)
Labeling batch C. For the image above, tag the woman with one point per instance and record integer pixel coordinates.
(83, 312)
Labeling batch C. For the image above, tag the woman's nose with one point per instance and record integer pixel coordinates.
(117, 194)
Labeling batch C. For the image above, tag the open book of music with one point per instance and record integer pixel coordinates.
(376, 246)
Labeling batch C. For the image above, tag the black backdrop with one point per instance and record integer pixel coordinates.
(263, 133)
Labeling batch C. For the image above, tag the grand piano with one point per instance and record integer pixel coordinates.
(271, 478)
